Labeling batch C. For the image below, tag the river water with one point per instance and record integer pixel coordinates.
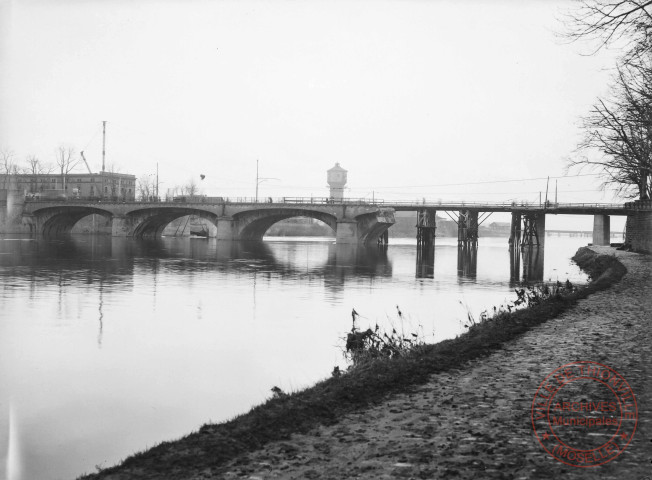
(111, 345)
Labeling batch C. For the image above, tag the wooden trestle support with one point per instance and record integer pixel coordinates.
(426, 227)
(467, 227)
(383, 239)
(526, 246)
(533, 231)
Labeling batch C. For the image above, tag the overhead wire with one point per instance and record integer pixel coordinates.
(489, 181)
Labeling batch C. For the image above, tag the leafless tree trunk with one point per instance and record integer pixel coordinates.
(66, 161)
(36, 167)
(191, 188)
(146, 188)
(9, 167)
(115, 183)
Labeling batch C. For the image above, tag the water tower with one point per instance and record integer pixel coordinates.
(336, 180)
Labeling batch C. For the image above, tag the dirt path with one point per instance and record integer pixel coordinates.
(474, 423)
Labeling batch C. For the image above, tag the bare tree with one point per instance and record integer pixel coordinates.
(191, 188)
(146, 188)
(618, 127)
(618, 139)
(115, 182)
(608, 21)
(36, 167)
(8, 166)
(66, 160)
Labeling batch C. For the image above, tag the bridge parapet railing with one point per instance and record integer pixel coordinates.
(328, 200)
(512, 205)
(294, 200)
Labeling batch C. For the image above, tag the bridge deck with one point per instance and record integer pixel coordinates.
(554, 209)
(551, 208)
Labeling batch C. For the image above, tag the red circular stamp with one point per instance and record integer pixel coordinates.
(584, 414)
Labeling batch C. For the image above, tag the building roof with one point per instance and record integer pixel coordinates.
(336, 168)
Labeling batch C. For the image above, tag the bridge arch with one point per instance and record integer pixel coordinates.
(52, 221)
(152, 222)
(252, 225)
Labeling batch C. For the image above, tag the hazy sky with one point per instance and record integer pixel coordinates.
(409, 96)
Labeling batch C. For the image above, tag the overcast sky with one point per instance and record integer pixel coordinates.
(414, 98)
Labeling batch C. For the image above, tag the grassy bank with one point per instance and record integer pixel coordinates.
(326, 402)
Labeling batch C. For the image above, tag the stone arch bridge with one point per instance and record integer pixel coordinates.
(352, 222)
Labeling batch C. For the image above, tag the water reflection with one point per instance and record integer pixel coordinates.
(100, 306)
(532, 258)
(467, 261)
(64, 261)
(426, 261)
(346, 260)
(110, 262)
(514, 264)
(13, 467)
(116, 344)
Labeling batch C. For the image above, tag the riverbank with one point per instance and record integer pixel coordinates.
(353, 429)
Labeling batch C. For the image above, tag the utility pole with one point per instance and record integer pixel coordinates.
(103, 143)
(547, 182)
(157, 181)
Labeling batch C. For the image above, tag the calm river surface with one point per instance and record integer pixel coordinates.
(111, 345)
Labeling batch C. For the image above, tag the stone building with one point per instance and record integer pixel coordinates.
(102, 185)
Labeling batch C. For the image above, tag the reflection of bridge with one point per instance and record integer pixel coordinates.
(353, 221)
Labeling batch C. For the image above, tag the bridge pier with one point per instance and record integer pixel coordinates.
(534, 229)
(514, 263)
(120, 226)
(347, 232)
(426, 227)
(383, 239)
(638, 233)
(515, 229)
(467, 260)
(533, 257)
(225, 230)
(426, 261)
(601, 230)
(467, 227)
